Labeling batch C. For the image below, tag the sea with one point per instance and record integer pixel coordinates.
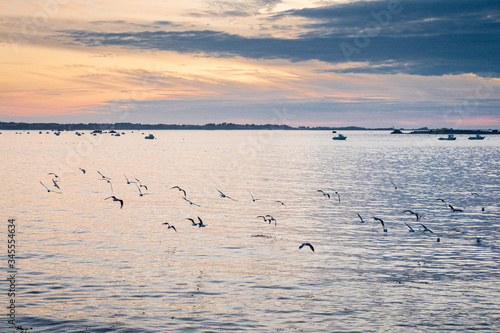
(84, 264)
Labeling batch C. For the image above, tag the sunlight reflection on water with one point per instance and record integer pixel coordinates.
(87, 265)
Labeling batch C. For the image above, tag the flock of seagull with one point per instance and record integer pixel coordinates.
(55, 188)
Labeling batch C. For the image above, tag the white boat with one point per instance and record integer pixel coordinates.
(450, 137)
(477, 137)
(339, 137)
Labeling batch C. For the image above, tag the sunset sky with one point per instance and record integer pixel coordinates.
(335, 63)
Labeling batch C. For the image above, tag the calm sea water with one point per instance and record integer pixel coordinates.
(85, 265)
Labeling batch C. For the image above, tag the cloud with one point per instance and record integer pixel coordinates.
(418, 37)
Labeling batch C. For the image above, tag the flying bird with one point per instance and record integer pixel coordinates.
(265, 219)
(411, 229)
(116, 199)
(170, 226)
(190, 202)
(180, 189)
(395, 187)
(338, 195)
(455, 209)
(362, 221)
(253, 198)
(271, 219)
(473, 193)
(222, 195)
(281, 202)
(417, 215)
(141, 185)
(381, 221)
(108, 180)
(103, 176)
(194, 224)
(55, 184)
(306, 244)
(48, 188)
(140, 192)
(324, 193)
(201, 225)
(53, 174)
(82, 170)
(128, 181)
(426, 229)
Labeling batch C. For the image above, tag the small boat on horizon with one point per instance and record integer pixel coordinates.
(449, 138)
(477, 137)
(339, 137)
(149, 137)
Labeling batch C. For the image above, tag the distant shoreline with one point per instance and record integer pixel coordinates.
(21, 126)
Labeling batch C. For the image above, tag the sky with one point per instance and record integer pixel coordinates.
(401, 63)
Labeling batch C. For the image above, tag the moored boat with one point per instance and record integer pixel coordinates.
(339, 137)
(477, 137)
(450, 137)
(150, 137)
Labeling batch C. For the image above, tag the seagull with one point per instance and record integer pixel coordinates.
(55, 184)
(362, 221)
(222, 195)
(324, 193)
(140, 184)
(270, 219)
(281, 202)
(108, 180)
(170, 226)
(473, 193)
(116, 199)
(190, 202)
(140, 192)
(442, 201)
(82, 170)
(478, 240)
(253, 199)
(180, 189)
(306, 244)
(417, 215)
(56, 176)
(382, 222)
(48, 188)
(128, 181)
(426, 229)
(103, 176)
(265, 220)
(411, 229)
(395, 187)
(455, 209)
(201, 225)
(192, 221)
(338, 195)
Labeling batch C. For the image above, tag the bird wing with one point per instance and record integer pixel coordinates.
(44, 185)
